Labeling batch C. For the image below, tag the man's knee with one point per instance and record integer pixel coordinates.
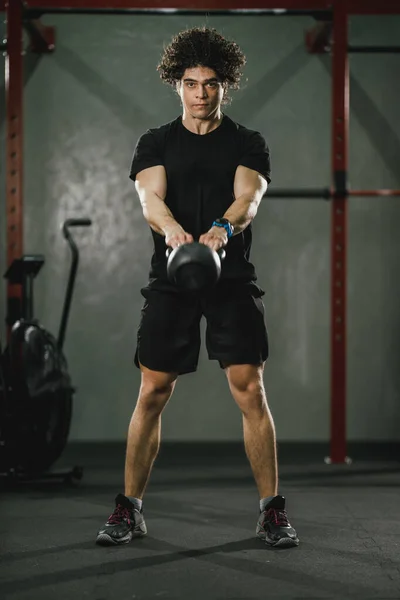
(247, 386)
(156, 389)
(245, 378)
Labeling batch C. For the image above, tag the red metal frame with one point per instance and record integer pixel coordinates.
(355, 7)
(340, 136)
(318, 39)
(183, 4)
(43, 40)
(42, 37)
(14, 141)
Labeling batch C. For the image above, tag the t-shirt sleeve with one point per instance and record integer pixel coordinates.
(256, 154)
(146, 154)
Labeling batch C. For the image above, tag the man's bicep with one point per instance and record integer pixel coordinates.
(249, 182)
(153, 179)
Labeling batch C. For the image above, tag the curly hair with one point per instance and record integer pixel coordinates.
(205, 47)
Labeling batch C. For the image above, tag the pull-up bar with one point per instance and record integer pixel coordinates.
(36, 13)
(352, 7)
(324, 193)
(374, 49)
(335, 13)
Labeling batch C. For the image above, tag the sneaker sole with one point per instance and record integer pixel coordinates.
(282, 543)
(103, 539)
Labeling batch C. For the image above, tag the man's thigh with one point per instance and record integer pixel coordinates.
(168, 337)
(236, 329)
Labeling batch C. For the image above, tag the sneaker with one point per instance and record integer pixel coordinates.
(125, 523)
(273, 526)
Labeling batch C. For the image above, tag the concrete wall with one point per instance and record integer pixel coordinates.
(85, 107)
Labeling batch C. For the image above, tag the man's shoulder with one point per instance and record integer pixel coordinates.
(164, 129)
(243, 130)
(158, 136)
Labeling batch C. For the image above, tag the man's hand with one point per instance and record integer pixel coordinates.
(176, 236)
(215, 238)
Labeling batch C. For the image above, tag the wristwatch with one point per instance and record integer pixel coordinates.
(225, 224)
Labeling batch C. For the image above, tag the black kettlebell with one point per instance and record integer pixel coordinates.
(194, 266)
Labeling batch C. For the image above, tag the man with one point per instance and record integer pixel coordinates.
(201, 177)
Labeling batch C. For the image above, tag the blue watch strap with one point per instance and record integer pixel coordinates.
(228, 228)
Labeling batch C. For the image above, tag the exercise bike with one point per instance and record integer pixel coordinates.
(36, 392)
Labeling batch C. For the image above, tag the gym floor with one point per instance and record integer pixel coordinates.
(201, 509)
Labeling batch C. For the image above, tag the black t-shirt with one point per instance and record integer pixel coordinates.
(200, 174)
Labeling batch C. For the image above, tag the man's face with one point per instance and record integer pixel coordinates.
(201, 92)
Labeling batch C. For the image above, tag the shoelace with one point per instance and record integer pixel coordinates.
(118, 515)
(279, 517)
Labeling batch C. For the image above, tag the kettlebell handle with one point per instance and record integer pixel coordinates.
(221, 252)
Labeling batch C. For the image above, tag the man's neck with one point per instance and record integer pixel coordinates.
(201, 126)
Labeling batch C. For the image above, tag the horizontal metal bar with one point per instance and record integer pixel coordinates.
(371, 7)
(184, 4)
(354, 7)
(325, 193)
(36, 13)
(374, 49)
(299, 193)
(374, 193)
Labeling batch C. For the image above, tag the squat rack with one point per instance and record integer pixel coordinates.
(328, 34)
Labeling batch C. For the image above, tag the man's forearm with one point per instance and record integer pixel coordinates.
(241, 213)
(157, 213)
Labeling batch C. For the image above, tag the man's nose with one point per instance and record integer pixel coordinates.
(202, 91)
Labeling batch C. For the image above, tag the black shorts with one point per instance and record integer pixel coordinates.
(168, 337)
